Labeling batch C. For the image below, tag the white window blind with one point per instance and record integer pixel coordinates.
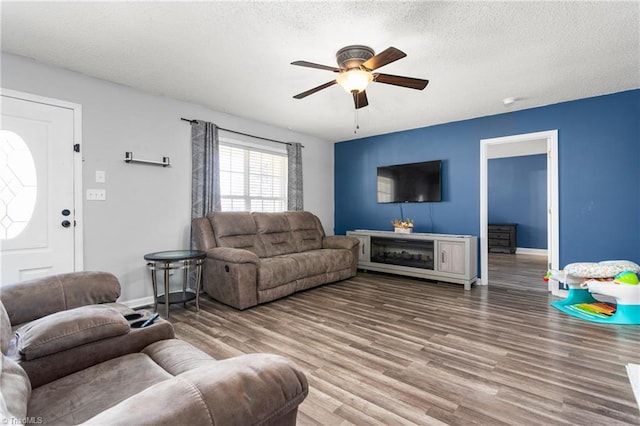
(252, 179)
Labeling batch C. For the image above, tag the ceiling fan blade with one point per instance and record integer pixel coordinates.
(314, 90)
(396, 80)
(360, 99)
(317, 66)
(383, 58)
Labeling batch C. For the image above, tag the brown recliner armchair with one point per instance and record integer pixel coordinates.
(69, 356)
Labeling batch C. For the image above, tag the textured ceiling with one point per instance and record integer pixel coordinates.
(235, 57)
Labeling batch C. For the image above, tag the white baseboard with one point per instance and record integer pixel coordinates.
(537, 252)
(137, 303)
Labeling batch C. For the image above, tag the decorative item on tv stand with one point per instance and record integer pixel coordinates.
(402, 226)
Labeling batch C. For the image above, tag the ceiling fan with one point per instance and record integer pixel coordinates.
(355, 71)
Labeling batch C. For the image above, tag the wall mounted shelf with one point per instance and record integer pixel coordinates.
(128, 158)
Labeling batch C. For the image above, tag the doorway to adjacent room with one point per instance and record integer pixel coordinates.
(519, 145)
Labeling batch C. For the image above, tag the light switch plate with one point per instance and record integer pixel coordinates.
(101, 176)
(96, 194)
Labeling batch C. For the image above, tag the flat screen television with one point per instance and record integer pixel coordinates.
(410, 183)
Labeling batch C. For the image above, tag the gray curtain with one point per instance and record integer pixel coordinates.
(205, 169)
(294, 184)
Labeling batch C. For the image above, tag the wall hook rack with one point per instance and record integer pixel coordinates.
(128, 158)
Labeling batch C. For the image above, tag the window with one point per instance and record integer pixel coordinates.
(18, 185)
(252, 179)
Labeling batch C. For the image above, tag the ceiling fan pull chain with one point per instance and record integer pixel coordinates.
(356, 126)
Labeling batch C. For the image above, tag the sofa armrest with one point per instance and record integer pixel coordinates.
(230, 276)
(30, 300)
(347, 243)
(233, 255)
(256, 389)
(69, 329)
(339, 242)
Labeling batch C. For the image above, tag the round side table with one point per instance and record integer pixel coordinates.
(167, 261)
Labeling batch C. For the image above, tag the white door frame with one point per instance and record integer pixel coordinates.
(78, 256)
(553, 233)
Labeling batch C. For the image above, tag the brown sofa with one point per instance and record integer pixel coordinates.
(255, 258)
(69, 356)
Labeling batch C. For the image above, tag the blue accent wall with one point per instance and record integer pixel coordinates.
(517, 193)
(599, 174)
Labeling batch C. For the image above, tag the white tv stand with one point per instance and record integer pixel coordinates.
(440, 257)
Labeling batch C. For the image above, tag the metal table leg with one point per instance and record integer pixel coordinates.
(166, 288)
(198, 282)
(154, 284)
(185, 278)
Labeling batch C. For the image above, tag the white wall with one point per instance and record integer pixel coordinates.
(148, 207)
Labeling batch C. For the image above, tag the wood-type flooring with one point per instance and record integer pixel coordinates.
(388, 350)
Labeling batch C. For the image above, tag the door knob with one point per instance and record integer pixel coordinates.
(65, 212)
(66, 223)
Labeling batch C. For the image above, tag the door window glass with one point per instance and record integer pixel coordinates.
(18, 185)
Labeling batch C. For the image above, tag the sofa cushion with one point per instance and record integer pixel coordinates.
(269, 294)
(177, 356)
(236, 230)
(68, 329)
(316, 280)
(275, 271)
(76, 398)
(15, 391)
(275, 233)
(306, 230)
(316, 262)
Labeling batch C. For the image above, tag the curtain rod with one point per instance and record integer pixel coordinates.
(241, 133)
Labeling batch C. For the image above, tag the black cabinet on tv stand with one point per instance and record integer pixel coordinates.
(502, 237)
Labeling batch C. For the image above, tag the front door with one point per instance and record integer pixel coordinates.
(37, 205)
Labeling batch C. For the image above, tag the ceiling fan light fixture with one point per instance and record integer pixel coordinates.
(354, 80)
(356, 66)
